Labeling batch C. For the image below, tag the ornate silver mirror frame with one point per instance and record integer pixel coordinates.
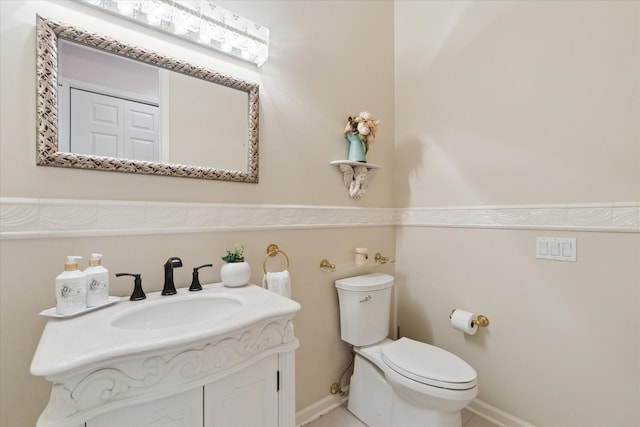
(48, 32)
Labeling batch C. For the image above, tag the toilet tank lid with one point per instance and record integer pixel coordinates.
(364, 283)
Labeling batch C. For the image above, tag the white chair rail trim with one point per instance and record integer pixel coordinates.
(26, 218)
(605, 217)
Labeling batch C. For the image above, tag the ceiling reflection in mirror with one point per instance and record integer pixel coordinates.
(107, 105)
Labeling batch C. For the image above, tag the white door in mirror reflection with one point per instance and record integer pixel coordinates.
(110, 126)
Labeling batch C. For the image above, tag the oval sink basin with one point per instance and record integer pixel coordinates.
(179, 311)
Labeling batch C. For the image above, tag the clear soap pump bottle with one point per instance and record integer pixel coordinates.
(71, 288)
(97, 281)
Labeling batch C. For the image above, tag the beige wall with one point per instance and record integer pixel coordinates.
(496, 103)
(512, 102)
(312, 82)
(523, 103)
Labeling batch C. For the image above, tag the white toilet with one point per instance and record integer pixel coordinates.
(403, 383)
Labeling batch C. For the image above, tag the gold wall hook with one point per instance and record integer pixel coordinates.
(326, 265)
(380, 259)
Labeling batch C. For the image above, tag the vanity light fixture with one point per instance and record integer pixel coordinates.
(198, 21)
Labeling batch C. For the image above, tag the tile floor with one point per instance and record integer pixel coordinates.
(341, 417)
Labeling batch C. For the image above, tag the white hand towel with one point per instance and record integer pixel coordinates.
(278, 282)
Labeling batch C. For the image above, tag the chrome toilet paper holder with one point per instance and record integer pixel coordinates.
(481, 319)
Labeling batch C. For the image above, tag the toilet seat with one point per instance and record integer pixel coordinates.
(428, 365)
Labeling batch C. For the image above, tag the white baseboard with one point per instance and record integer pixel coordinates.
(321, 407)
(495, 416)
(477, 407)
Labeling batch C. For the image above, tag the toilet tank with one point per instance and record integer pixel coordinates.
(365, 304)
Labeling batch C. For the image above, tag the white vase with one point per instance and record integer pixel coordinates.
(235, 274)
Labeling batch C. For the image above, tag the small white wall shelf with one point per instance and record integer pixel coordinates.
(356, 176)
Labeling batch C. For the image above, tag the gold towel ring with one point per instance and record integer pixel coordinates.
(273, 250)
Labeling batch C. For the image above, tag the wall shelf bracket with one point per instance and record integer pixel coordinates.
(356, 176)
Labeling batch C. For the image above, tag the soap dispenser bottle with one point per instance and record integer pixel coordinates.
(71, 288)
(97, 281)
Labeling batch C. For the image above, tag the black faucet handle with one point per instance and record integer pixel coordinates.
(195, 282)
(138, 293)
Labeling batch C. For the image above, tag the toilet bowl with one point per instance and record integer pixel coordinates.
(398, 383)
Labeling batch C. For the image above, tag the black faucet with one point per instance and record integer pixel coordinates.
(138, 293)
(169, 287)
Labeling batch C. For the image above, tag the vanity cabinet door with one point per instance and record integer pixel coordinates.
(182, 410)
(246, 398)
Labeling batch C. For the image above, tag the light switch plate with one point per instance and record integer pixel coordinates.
(556, 248)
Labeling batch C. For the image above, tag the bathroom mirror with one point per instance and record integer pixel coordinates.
(198, 124)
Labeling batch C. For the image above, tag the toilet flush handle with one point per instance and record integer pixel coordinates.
(365, 299)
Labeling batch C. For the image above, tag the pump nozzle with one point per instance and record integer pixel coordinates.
(96, 259)
(71, 262)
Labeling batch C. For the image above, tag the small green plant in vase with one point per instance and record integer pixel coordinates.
(237, 255)
(235, 271)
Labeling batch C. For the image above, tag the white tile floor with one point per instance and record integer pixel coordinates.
(341, 417)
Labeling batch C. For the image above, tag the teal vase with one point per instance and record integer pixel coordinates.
(356, 148)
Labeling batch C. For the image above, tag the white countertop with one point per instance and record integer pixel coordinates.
(88, 338)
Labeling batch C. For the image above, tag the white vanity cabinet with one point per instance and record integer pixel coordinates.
(248, 397)
(182, 410)
(235, 370)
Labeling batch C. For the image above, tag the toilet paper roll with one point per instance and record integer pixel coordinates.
(464, 321)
